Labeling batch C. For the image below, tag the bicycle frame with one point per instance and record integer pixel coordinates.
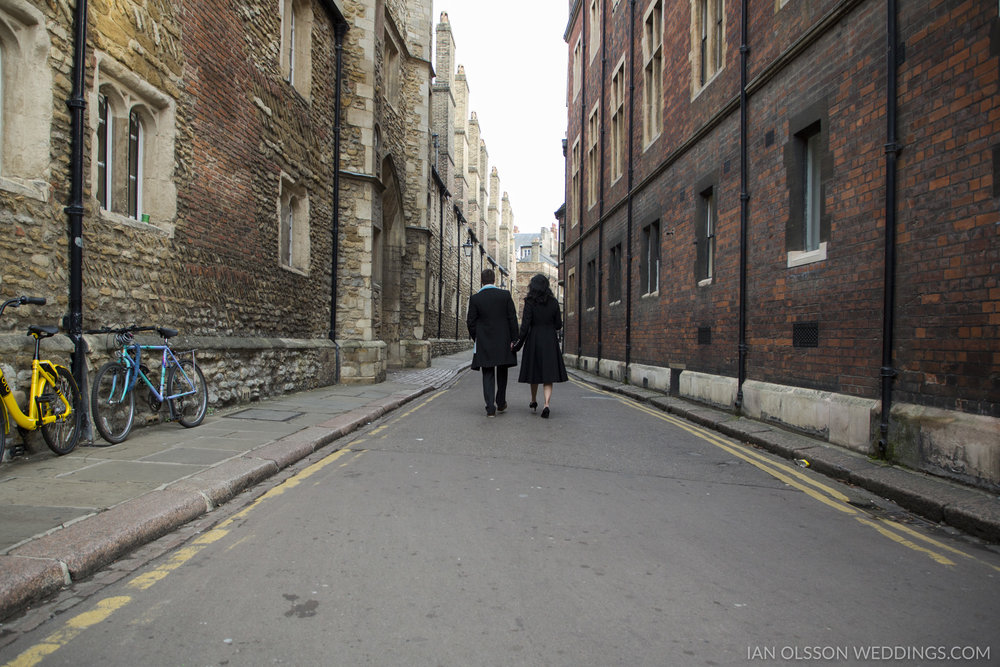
(42, 371)
(133, 363)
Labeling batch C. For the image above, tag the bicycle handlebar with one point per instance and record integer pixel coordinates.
(23, 300)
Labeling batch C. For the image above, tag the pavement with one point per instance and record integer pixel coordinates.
(65, 518)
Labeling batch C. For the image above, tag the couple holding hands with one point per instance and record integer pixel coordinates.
(492, 323)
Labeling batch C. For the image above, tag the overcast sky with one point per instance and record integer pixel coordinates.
(515, 61)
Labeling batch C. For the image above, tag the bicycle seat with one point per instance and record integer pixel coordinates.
(167, 333)
(43, 330)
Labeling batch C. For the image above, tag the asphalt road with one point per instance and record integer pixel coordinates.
(610, 534)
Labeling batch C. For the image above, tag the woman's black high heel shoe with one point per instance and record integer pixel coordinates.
(545, 413)
(533, 405)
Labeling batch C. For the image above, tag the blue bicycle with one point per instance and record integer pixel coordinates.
(181, 384)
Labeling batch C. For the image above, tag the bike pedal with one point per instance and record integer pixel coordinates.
(17, 450)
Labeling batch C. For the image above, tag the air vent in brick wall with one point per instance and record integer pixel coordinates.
(704, 335)
(805, 334)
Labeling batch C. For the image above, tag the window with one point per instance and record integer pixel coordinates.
(808, 228)
(26, 104)
(705, 236)
(391, 74)
(293, 241)
(103, 182)
(574, 193)
(649, 261)
(571, 292)
(296, 44)
(652, 55)
(708, 32)
(526, 253)
(615, 273)
(594, 36)
(811, 191)
(618, 144)
(577, 68)
(591, 284)
(132, 166)
(593, 160)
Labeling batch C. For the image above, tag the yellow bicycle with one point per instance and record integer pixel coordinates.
(55, 405)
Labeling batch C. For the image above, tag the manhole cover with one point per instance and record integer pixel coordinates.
(265, 415)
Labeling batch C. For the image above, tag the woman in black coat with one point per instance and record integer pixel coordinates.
(541, 361)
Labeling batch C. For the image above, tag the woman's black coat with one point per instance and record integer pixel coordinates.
(541, 358)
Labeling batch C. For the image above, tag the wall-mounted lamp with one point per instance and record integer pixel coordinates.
(467, 248)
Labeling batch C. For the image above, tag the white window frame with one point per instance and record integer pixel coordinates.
(593, 157)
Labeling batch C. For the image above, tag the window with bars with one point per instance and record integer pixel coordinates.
(705, 235)
(591, 293)
(649, 261)
(615, 273)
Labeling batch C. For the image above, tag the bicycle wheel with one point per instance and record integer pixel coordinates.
(112, 403)
(187, 379)
(63, 434)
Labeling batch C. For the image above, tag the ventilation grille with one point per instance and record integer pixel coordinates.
(805, 334)
(704, 335)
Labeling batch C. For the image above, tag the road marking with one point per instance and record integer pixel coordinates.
(142, 582)
(797, 479)
(73, 628)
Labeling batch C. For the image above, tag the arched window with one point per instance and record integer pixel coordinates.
(133, 156)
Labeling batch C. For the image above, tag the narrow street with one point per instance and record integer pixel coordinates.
(610, 533)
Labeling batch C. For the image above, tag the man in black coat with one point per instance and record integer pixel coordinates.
(492, 323)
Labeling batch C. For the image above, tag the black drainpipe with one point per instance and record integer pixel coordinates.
(744, 208)
(600, 206)
(631, 147)
(339, 31)
(580, 189)
(458, 270)
(77, 104)
(887, 372)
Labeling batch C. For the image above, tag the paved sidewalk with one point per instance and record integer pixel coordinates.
(64, 518)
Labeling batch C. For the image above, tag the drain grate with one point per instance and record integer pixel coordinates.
(265, 415)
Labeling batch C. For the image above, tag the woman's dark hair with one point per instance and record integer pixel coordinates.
(538, 289)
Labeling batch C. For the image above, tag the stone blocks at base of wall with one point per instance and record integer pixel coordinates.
(837, 418)
(410, 354)
(362, 361)
(715, 390)
(946, 443)
(650, 377)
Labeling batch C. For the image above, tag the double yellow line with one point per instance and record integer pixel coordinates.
(108, 606)
(808, 484)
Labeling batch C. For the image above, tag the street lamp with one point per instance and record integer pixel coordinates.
(467, 248)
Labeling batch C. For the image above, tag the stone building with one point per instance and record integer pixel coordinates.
(770, 210)
(475, 222)
(265, 176)
(536, 252)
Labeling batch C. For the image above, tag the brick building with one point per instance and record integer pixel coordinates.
(266, 176)
(790, 209)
